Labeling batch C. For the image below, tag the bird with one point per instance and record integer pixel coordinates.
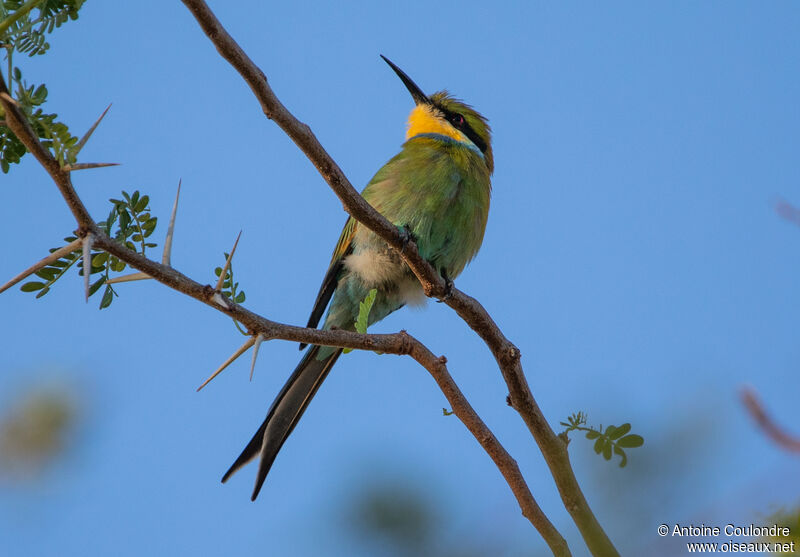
(436, 190)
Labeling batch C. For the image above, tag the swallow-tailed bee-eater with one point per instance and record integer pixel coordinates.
(437, 190)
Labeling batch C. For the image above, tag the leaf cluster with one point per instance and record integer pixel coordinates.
(230, 288)
(609, 441)
(28, 34)
(21, 31)
(129, 222)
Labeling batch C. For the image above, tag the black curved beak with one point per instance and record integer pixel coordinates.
(417, 94)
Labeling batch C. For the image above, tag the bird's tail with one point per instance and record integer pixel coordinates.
(284, 413)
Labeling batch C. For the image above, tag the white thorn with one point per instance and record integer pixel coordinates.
(55, 256)
(79, 145)
(87, 263)
(229, 361)
(87, 165)
(165, 259)
(227, 264)
(221, 300)
(129, 278)
(259, 340)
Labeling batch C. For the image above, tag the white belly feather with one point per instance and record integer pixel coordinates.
(376, 268)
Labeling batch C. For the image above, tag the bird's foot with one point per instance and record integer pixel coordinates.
(407, 236)
(448, 286)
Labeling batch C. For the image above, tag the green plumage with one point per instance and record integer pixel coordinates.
(438, 188)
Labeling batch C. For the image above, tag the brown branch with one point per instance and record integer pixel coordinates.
(507, 355)
(783, 439)
(398, 343)
(18, 124)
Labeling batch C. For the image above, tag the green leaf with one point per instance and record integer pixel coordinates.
(43, 291)
(108, 297)
(141, 205)
(100, 259)
(239, 298)
(619, 431)
(31, 286)
(124, 219)
(47, 273)
(607, 450)
(592, 434)
(41, 93)
(363, 311)
(610, 431)
(631, 441)
(96, 286)
(621, 453)
(117, 265)
(598, 445)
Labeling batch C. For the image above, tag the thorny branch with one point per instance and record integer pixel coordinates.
(399, 343)
(507, 355)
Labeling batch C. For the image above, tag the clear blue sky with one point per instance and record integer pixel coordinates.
(633, 254)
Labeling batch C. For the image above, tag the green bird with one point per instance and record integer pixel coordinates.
(436, 189)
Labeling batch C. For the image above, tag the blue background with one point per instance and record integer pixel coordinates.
(633, 253)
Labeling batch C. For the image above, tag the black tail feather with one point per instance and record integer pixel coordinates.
(284, 414)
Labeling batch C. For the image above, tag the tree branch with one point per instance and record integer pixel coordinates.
(507, 355)
(399, 343)
(783, 439)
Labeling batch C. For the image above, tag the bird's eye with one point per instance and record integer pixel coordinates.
(457, 120)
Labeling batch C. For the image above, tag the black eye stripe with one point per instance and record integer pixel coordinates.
(461, 123)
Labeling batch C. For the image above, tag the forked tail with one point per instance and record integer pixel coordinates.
(284, 414)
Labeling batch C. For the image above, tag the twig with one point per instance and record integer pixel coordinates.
(55, 256)
(783, 439)
(18, 124)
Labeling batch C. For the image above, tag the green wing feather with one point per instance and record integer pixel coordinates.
(343, 248)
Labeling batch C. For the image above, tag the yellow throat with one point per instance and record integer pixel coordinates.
(425, 119)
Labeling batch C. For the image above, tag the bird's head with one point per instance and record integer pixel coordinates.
(442, 114)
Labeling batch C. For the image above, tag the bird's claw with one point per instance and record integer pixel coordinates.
(406, 236)
(448, 287)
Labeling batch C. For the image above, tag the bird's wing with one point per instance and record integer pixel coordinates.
(343, 248)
